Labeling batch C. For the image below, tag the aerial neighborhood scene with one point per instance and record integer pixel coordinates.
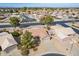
(39, 29)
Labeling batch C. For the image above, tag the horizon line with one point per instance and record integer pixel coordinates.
(39, 5)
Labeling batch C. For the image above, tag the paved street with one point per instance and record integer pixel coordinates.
(26, 24)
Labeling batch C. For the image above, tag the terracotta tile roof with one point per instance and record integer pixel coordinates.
(41, 32)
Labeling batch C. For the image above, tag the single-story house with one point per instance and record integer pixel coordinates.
(7, 41)
(65, 31)
(64, 35)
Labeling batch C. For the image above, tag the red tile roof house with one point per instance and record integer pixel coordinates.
(41, 32)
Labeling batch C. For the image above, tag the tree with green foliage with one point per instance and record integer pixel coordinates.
(14, 21)
(23, 9)
(11, 11)
(5, 30)
(46, 20)
(26, 39)
(26, 42)
(24, 51)
(16, 34)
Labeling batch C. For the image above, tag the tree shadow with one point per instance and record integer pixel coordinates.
(17, 39)
(36, 43)
(37, 40)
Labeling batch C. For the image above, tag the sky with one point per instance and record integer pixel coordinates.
(52, 5)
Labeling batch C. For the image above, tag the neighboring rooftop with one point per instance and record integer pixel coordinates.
(6, 40)
(41, 32)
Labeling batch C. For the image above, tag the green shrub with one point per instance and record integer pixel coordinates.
(5, 30)
(15, 34)
(14, 21)
(24, 51)
(35, 49)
